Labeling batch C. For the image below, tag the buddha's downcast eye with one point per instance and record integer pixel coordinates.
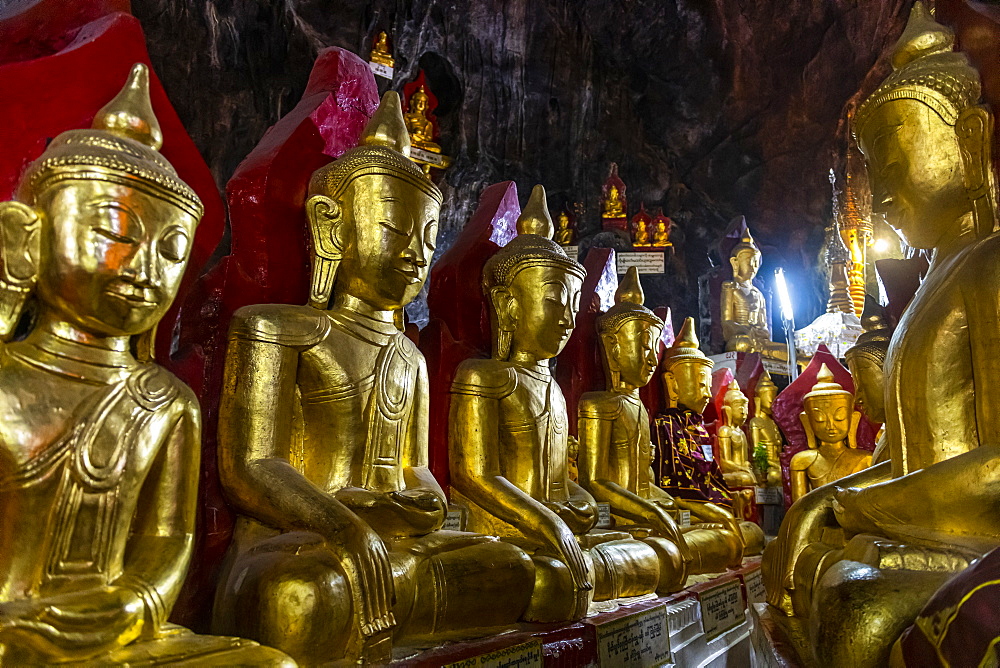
(174, 245)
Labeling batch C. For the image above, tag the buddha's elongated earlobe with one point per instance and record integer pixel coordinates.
(20, 227)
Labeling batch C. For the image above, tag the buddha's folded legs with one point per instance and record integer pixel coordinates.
(184, 648)
(713, 549)
(624, 568)
(672, 569)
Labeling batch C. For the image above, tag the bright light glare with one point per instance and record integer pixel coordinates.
(786, 301)
(880, 246)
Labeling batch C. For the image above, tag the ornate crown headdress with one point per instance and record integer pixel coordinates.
(628, 305)
(825, 386)
(685, 348)
(874, 340)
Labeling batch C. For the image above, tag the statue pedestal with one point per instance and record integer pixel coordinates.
(635, 634)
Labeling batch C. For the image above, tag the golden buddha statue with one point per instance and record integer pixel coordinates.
(618, 455)
(641, 237)
(927, 142)
(734, 450)
(764, 432)
(831, 425)
(99, 451)
(866, 360)
(613, 206)
(420, 127)
(743, 309)
(508, 434)
(338, 547)
(380, 52)
(564, 233)
(661, 233)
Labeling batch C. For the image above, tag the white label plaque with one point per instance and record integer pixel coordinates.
(768, 495)
(431, 157)
(603, 515)
(754, 582)
(685, 518)
(525, 655)
(378, 69)
(453, 520)
(647, 263)
(572, 252)
(640, 640)
(722, 608)
(706, 449)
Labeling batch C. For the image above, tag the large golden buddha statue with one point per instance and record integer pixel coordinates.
(745, 326)
(906, 525)
(508, 433)
(831, 424)
(99, 450)
(338, 546)
(617, 455)
(764, 432)
(734, 449)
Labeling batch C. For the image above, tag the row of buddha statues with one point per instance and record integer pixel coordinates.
(339, 550)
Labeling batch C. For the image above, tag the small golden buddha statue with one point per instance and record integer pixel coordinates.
(734, 450)
(420, 127)
(508, 434)
(338, 547)
(927, 142)
(381, 53)
(661, 233)
(831, 425)
(564, 233)
(744, 311)
(866, 360)
(764, 432)
(641, 237)
(617, 453)
(613, 206)
(99, 451)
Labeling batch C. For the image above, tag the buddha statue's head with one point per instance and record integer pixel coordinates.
(735, 405)
(630, 334)
(926, 139)
(866, 360)
(687, 372)
(745, 259)
(419, 101)
(102, 226)
(382, 43)
(828, 410)
(533, 289)
(765, 393)
(374, 218)
(563, 220)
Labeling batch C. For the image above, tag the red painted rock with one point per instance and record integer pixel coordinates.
(459, 325)
(269, 262)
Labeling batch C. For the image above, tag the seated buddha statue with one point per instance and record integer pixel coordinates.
(764, 432)
(909, 523)
(420, 127)
(613, 206)
(617, 456)
(338, 549)
(743, 309)
(564, 233)
(508, 434)
(641, 237)
(99, 450)
(381, 53)
(661, 233)
(734, 449)
(866, 360)
(830, 423)
(688, 470)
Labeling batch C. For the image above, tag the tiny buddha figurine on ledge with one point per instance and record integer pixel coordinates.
(338, 550)
(508, 442)
(745, 325)
(617, 455)
(566, 232)
(99, 450)
(422, 128)
(764, 432)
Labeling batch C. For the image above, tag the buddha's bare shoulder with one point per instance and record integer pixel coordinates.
(602, 405)
(282, 324)
(491, 378)
(978, 266)
(803, 459)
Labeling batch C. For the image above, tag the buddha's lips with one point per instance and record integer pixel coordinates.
(133, 294)
(411, 275)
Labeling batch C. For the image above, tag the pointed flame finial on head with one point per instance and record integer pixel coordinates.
(685, 348)
(387, 127)
(630, 289)
(825, 385)
(535, 218)
(130, 113)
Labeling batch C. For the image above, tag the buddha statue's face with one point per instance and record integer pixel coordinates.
(916, 171)
(419, 103)
(563, 221)
(541, 306)
(112, 257)
(745, 264)
(387, 230)
(765, 398)
(829, 416)
(739, 410)
(869, 386)
(689, 385)
(631, 351)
